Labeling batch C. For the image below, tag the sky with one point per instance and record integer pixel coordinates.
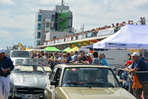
(17, 17)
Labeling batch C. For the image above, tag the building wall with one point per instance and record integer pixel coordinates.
(52, 35)
(40, 25)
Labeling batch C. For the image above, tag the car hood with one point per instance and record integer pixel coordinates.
(95, 93)
(31, 80)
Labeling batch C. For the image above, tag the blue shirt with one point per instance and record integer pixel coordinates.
(104, 62)
(96, 61)
(69, 59)
(141, 65)
(6, 63)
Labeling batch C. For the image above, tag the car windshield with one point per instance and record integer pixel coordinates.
(20, 54)
(22, 61)
(43, 62)
(28, 69)
(89, 77)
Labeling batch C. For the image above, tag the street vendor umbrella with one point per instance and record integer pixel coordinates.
(128, 37)
(51, 49)
(74, 49)
(85, 47)
(67, 49)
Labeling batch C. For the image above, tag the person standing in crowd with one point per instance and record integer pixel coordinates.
(127, 77)
(141, 21)
(96, 60)
(75, 57)
(103, 60)
(55, 58)
(6, 66)
(140, 65)
(142, 57)
(82, 58)
(68, 58)
(50, 60)
(144, 21)
(64, 59)
(60, 58)
(89, 59)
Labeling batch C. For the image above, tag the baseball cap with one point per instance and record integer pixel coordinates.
(1, 50)
(135, 54)
(128, 62)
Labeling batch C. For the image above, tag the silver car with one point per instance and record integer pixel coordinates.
(28, 82)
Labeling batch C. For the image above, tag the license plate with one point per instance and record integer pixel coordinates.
(30, 96)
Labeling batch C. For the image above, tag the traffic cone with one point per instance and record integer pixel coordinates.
(142, 95)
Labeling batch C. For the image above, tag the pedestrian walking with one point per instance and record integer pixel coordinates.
(6, 66)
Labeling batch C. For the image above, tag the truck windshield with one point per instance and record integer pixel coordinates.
(19, 54)
(89, 77)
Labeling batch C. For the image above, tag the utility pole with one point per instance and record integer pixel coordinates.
(82, 27)
(62, 3)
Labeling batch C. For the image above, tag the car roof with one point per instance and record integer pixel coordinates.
(80, 65)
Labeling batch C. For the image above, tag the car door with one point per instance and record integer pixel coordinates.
(57, 78)
(51, 89)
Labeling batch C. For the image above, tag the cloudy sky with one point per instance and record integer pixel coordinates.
(17, 17)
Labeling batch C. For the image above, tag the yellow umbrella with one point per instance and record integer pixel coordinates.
(27, 49)
(74, 49)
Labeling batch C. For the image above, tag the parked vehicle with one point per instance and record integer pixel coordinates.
(28, 82)
(19, 54)
(78, 81)
(116, 57)
(18, 61)
(42, 62)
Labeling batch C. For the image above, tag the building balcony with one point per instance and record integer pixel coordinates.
(48, 29)
(48, 21)
(101, 34)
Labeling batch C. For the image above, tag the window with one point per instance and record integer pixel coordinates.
(39, 35)
(38, 42)
(89, 76)
(57, 75)
(39, 17)
(54, 37)
(53, 17)
(39, 26)
(52, 74)
(19, 54)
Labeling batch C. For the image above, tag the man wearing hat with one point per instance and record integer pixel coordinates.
(6, 66)
(140, 65)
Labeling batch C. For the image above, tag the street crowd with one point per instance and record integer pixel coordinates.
(75, 58)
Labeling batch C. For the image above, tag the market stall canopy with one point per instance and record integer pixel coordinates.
(67, 49)
(74, 49)
(85, 47)
(34, 49)
(128, 37)
(51, 49)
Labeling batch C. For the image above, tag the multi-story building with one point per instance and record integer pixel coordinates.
(58, 20)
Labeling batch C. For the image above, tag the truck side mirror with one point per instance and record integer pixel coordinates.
(53, 83)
